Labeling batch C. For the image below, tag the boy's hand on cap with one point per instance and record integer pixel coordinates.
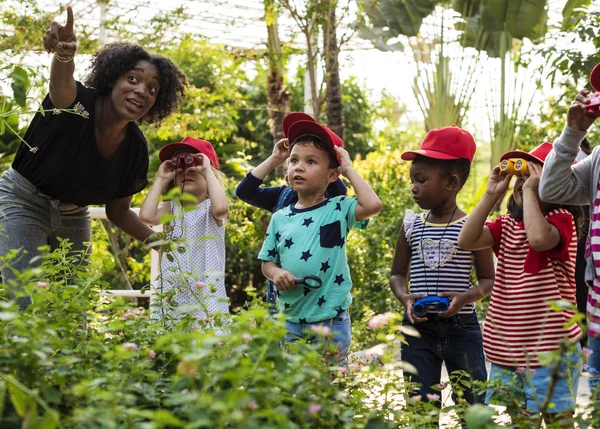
(577, 117)
(281, 152)
(345, 163)
(284, 280)
(498, 182)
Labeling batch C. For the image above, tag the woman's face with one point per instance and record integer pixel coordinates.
(134, 93)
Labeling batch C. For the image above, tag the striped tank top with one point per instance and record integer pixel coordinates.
(437, 263)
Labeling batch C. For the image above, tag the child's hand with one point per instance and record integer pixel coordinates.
(498, 183)
(345, 163)
(408, 301)
(533, 181)
(457, 302)
(202, 164)
(280, 151)
(576, 117)
(284, 280)
(166, 171)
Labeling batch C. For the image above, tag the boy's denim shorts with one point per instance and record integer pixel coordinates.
(341, 328)
(531, 388)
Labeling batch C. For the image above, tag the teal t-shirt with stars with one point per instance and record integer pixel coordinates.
(312, 241)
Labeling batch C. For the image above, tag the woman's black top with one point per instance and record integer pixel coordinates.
(67, 163)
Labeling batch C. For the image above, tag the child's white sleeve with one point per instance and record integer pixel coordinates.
(409, 223)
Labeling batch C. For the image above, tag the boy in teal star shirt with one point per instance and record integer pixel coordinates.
(308, 238)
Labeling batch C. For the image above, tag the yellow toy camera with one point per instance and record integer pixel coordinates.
(514, 166)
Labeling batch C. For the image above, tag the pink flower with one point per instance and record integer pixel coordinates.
(199, 285)
(344, 370)
(354, 367)
(415, 399)
(442, 386)
(151, 354)
(246, 337)
(129, 315)
(42, 285)
(108, 335)
(129, 346)
(314, 408)
(380, 320)
(321, 330)
(587, 352)
(187, 368)
(433, 397)
(525, 372)
(252, 405)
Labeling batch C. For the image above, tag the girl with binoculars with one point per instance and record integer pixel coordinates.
(536, 245)
(198, 228)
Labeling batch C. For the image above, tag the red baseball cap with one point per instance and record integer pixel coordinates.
(595, 78)
(538, 153)
(445, 143)
(195, 145)
(294, 117)
(311, 128)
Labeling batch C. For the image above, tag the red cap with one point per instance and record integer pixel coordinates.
(311, 128)
(294, 117)
(538, 153)
(196, 145)
(445, 143)
(595, 78)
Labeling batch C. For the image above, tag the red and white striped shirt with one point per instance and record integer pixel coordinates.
(520, 323)
(593, 301)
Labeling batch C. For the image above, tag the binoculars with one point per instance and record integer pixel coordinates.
(183, 161)
(431, 304)
(514, 166)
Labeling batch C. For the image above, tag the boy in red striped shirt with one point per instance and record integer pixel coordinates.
(536, 246)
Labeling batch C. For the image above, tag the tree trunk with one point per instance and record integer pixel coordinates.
(277, 95)
(333, 94)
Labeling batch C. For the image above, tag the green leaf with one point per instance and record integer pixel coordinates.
(2, 126)
(572, 13)
(480, 416)
(8, 315)
(20, 400)
(167, 217)
(2, 397)
(48, 421)
(20, 85)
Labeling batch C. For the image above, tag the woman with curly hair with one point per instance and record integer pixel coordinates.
(94, 153)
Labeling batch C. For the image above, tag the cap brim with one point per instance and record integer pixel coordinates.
(310, 128)
(412, 154)
(171, 149)
(520, 154)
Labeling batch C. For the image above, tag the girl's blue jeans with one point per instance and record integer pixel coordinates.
(30, 219)
(455, 341)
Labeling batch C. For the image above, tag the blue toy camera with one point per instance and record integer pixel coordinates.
(431, 304)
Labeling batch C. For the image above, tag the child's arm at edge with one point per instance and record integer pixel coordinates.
(475, 235)
(541, 234)
(399, 277)
(369, 203)
(151, 209)
(282, 279)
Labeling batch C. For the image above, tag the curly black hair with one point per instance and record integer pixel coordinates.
(115, 59)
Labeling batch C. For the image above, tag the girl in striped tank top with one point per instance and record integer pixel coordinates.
(536, 246)
(429, 258)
